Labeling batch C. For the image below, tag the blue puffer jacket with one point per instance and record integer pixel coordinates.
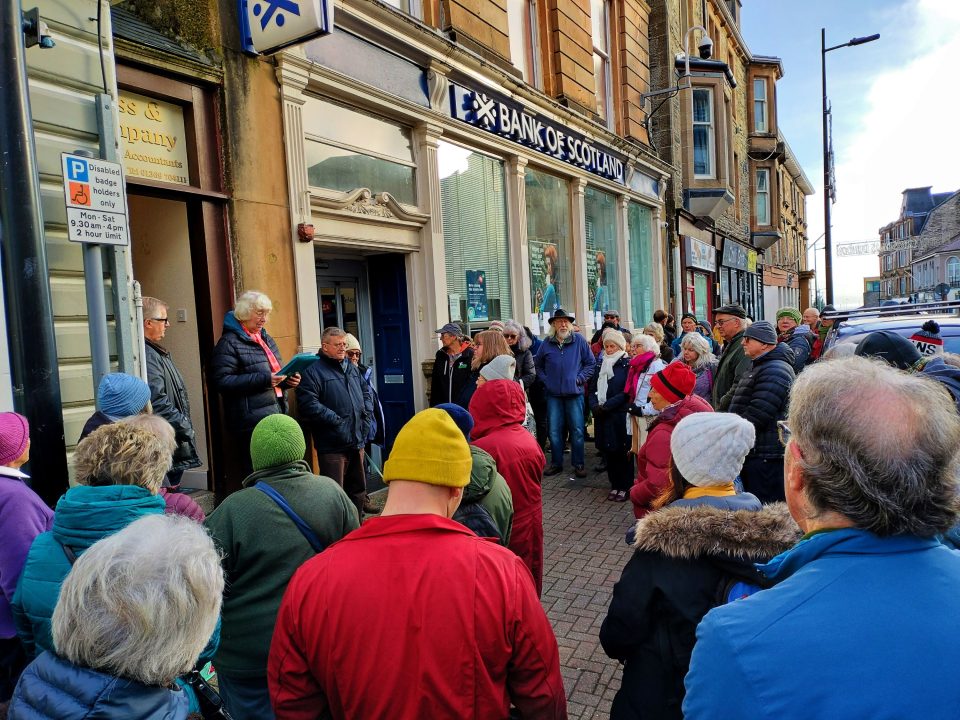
(949, 376)
(336, 403)
(762, 395)
(53, 689)
(82, 516)
(856, 627)
(565, 368)
(800, 340)
(241, 372)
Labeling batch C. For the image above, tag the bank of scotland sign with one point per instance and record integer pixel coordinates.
(270, 25)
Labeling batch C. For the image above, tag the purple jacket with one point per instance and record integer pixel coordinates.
(23, 516)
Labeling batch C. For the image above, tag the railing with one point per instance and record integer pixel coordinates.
(911, 309)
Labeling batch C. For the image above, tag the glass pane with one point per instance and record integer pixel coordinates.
(759, 89)
(641, 263)
(758, 114)
(701, 150)
(473, 202)
(517, 24)
(328, 308)
(600, 83)
(701, 106)
(702, 299)
(763, 215)
(349, 127)
(762, 180)
(345, 170)
(549, 242)
(402, 5)
(603, 287)
(348, 306)
(598, 20)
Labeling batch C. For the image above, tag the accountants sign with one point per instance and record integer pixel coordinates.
(510, 120)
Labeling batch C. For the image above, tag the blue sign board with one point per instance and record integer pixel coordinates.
(270, 25)
(477, 296)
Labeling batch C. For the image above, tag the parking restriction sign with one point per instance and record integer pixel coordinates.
(96, 197)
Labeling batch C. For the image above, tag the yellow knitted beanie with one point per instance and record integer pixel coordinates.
(430, 449)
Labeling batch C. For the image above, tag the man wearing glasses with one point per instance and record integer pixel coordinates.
(729, 321)
(168, 393)
(337, 405)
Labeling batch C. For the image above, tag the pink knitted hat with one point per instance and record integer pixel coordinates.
(14, 436)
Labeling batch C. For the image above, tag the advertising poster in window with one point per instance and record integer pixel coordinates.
(544, 262)
(597, 291)
(477, 296)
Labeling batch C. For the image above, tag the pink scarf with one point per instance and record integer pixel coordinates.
(638, 365)
(271, 358)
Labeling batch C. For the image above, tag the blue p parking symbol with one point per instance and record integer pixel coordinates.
(77, 170)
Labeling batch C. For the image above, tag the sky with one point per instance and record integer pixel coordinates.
(895, 104)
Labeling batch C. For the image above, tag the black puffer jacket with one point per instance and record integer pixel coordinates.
(241, 373)
(610, 418)
(446, 384)
(336, 403)
(168, 395)
(761, 397)
(526, 371)
(683, 558)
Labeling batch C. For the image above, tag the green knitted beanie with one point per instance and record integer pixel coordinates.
(791, 313)
(277, 440)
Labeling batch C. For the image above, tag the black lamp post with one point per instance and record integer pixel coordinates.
(828, 156)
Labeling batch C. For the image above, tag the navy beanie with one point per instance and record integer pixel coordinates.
(460, 416)
(121, 395)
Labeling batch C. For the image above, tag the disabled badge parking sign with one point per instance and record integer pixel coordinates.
(96, 197)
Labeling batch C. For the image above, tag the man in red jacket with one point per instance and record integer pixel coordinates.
(452, 624)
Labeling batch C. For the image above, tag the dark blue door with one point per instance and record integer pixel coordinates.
(391, 338)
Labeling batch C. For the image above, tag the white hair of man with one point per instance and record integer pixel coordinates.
(332, 332)
(151, 306)
(249, 303)
(885, 477)
(646, 343)
(701, 346)
(142, 603)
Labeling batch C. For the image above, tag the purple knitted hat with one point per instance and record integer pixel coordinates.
(14, 436)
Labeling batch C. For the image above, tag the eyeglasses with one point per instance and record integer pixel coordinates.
(784, 431)
(510, 336)
(353, 353)
(341, 344)
(609, 317)
(720, 323)
(165, 321)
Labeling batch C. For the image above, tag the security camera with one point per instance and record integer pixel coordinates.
(705, 47)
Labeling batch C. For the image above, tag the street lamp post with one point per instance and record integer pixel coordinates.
(827, 155)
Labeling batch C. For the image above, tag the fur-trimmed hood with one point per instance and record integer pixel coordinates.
(689, 533)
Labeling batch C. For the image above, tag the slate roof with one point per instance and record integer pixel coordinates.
(128, 26)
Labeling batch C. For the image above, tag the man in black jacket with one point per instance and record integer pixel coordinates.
(168, 393)
(761, 396)
(336, 403)
(451, 368)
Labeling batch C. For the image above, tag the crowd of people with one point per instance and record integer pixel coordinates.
(791, 555)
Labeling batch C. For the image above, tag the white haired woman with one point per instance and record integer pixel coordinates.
(245, 369)
(645, 362)
(516, 337)
(655, 330)
(134, 613)
(608, 397)
(695, 354)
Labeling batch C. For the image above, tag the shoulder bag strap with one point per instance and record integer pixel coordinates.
(69, 552)
(302, 526)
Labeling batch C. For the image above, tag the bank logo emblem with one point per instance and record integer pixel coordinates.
(485, 108)
(268, 8)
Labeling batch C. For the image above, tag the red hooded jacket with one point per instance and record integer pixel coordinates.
(653, 460)
(498, 409)
(413, 617)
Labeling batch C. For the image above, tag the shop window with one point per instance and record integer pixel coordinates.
(549, 243)
(522, 24)
(760, 105)
(953, 271)
(600, 20)
(704, 134)
(475, 240)
(384, 163)
(603, 287)
(411, 7)
(640, 244)
(763, 196)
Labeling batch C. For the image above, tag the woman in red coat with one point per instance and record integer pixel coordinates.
(499, 409)
(670, 394)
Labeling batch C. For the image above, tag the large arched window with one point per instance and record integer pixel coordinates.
(953, 270)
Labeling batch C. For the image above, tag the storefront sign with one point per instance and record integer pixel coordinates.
(701, 255)
(96, 198)
(153, 137)
(510, 120)
(477, 296)
(751, 261)
(270, 25)
(737, 256)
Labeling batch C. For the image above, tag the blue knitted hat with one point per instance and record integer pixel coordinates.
(121, 395)
(460, 416)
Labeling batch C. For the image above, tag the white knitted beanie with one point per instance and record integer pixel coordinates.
(709, 447)
(500, 368)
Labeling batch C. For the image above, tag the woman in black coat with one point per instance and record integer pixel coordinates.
(245, 369)
(687, 554)
(526, 372)
(609, 400)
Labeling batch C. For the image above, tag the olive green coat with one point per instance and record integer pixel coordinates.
(488, 487)
(733, 364)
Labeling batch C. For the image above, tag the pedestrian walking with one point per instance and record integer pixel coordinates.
(565, 363)
(258, 565)
(168, 391)
(609, 401)
(490, 643)
(671, 396)
(761, 397)
(695, 354)
(701, 537)
(337, 405)
(245, 369)
(795, 335)
(871, 499)
(730, 322)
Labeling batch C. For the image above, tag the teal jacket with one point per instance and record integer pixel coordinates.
(83, 515)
